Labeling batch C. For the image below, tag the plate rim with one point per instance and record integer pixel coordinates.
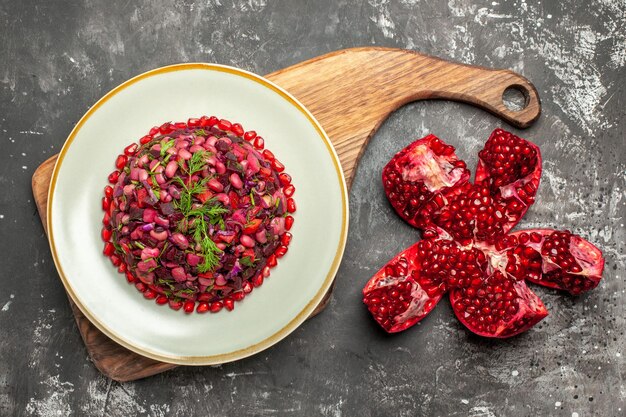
(300, 317)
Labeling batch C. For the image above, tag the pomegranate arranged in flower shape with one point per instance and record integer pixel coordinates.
(467, 249)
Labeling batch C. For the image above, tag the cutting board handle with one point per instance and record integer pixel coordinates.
(352, 91)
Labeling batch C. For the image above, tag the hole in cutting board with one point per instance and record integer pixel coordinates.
(515, 98)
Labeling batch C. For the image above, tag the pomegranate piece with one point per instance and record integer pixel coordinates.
(560, 260)
(395, 295)
(416, 177)
(511, 168)
(467, 248)
(498, 306)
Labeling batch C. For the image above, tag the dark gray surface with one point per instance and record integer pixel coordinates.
(58, 57)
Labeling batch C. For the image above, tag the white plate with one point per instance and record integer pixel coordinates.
(271, 311)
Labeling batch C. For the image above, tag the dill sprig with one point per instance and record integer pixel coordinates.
(211, 211)
(166, 145)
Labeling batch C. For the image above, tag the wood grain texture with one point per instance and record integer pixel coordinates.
(350, 92)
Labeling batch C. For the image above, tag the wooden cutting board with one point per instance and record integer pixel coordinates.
(350, 92)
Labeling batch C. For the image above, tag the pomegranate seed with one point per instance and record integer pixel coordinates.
(116, 260)
(108, 191)
(285, 179)
(130, 277)
(229, 304)
(122, 268)
(106, 203)
(277, 165)
(141, 287)
(153, 131)
(289, 190)
(203, 307)
(150, 294)
(288, 222)
(193, 122)
(267, 154)
(249, 135)
(120, 162)
(106, 234)
(291, 205)
(224, 125)
(161, 299)
(216, 306)
(175, 305)
(281, 251)
(109, 249)
(145, 139)
(259, 143)
(247, 287)
(237, 129)
(166, 128)
(257, 281)
(189, 306)
(239, 295)
(113, 176)
(271, 261)
(285, 239)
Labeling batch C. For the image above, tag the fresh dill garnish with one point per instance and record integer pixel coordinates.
(197, 162)
(246, 261)
(166, 145)
(197, 218)
(200, 132)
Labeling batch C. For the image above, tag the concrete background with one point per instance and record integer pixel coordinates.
(58, 57)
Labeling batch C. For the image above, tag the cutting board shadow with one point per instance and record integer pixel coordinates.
(350, 92)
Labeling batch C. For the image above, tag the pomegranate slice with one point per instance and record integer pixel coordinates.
(560, 260)
(418, 174)
(396, 296)
(510, 167)
(466, 247)
(498, 306)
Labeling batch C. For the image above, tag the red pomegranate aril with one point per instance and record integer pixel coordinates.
(122, 268)
(189, 306)
(109, 249)
(271, 261)
(120, 162)
(166, 128)
(285, 239)
(108, 191)
(229, 304)
(175, 305)
(106, 234)
(203, 307)
(116, 260)
(141, 287)
(145, 139)
(106, 203)
(267, 154)
(224, 125)
(259, 143)
(216, 306)
(257, 281)
(192, 122)
(249, 135)
(278, 166)
(113, 176)
(239, 295)
(161, 299)
(289, 222)
(291, 205)
(149, 294)
(247, 287)
(237, 129)
(179, 125)
(285, 179)
(281, 251)
(289, 190)
(130, 277)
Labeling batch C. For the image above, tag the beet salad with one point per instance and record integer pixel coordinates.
(197, 214)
